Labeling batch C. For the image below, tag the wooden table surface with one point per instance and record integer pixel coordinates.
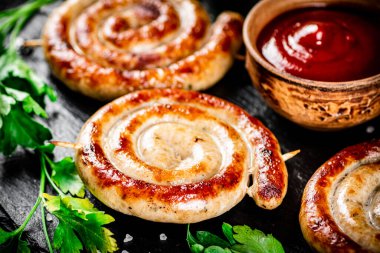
(19, 174)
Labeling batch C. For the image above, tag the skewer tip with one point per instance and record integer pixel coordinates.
(239, 57)
(65, 144)
(32, 43)
(290, 155)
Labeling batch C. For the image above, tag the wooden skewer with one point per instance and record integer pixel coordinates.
(239, 57)
(32, 43)
(285, 157)
(290, 155)
(65, 144)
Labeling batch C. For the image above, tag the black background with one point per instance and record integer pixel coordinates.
(19, 174)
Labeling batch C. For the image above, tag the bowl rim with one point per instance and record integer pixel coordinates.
(364, 83)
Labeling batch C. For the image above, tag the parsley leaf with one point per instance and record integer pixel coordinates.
(228, 233)
(17, 125)
(46, 148)
(15, 73)
(19, 128)
(241, 239)
(22, 98)
(208, 239)
(29, 105)
(65, 175)
(11, 242)
(80, 225)
(255, 241)
(22, 246)
(6, 103)
(22, 92)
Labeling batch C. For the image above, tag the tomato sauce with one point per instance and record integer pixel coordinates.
(323, 44)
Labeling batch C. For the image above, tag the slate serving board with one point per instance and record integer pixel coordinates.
(19, 174)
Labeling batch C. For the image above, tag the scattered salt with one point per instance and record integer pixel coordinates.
(163, 237)
(49, 217)
(128, 238)
(370, 129)
(299, 176)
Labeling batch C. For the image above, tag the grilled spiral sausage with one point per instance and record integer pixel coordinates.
(340, 209)
(107, 48)
(171, 155)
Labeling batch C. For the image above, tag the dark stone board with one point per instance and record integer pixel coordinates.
(19, 174)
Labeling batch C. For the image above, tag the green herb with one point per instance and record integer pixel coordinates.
(65, 176)
(12, 20)
(22, 92)
(16, 74)
(19, 128)
(20, 89)
(22, 95)
(79, 222)
(11, 241)
(240, 239)
(255, 241)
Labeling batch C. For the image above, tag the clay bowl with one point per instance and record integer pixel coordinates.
(312, 104)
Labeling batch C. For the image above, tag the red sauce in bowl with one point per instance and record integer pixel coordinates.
(323, 44)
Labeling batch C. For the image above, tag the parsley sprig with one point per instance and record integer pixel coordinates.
(22, 102)
(239, 239)
(22, 92)
(81, 225)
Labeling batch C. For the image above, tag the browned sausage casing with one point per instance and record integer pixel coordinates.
(178, 156)
(340, 209)
(107, 48)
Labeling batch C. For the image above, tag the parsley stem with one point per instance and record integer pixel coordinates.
(42, 190)
(44, 228)
(21, 228)
(39, 199)
(43, 163)
(26, 221)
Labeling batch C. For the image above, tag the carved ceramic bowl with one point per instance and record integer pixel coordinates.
(317, 105)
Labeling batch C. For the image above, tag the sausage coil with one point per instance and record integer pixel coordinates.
(340, 209)
(107, 48)
(177, 156)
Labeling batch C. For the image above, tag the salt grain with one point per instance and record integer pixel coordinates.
(163, 237)
(124, 251)
(370, 129)
(128, 238)
(49, 217)
(299, 176)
